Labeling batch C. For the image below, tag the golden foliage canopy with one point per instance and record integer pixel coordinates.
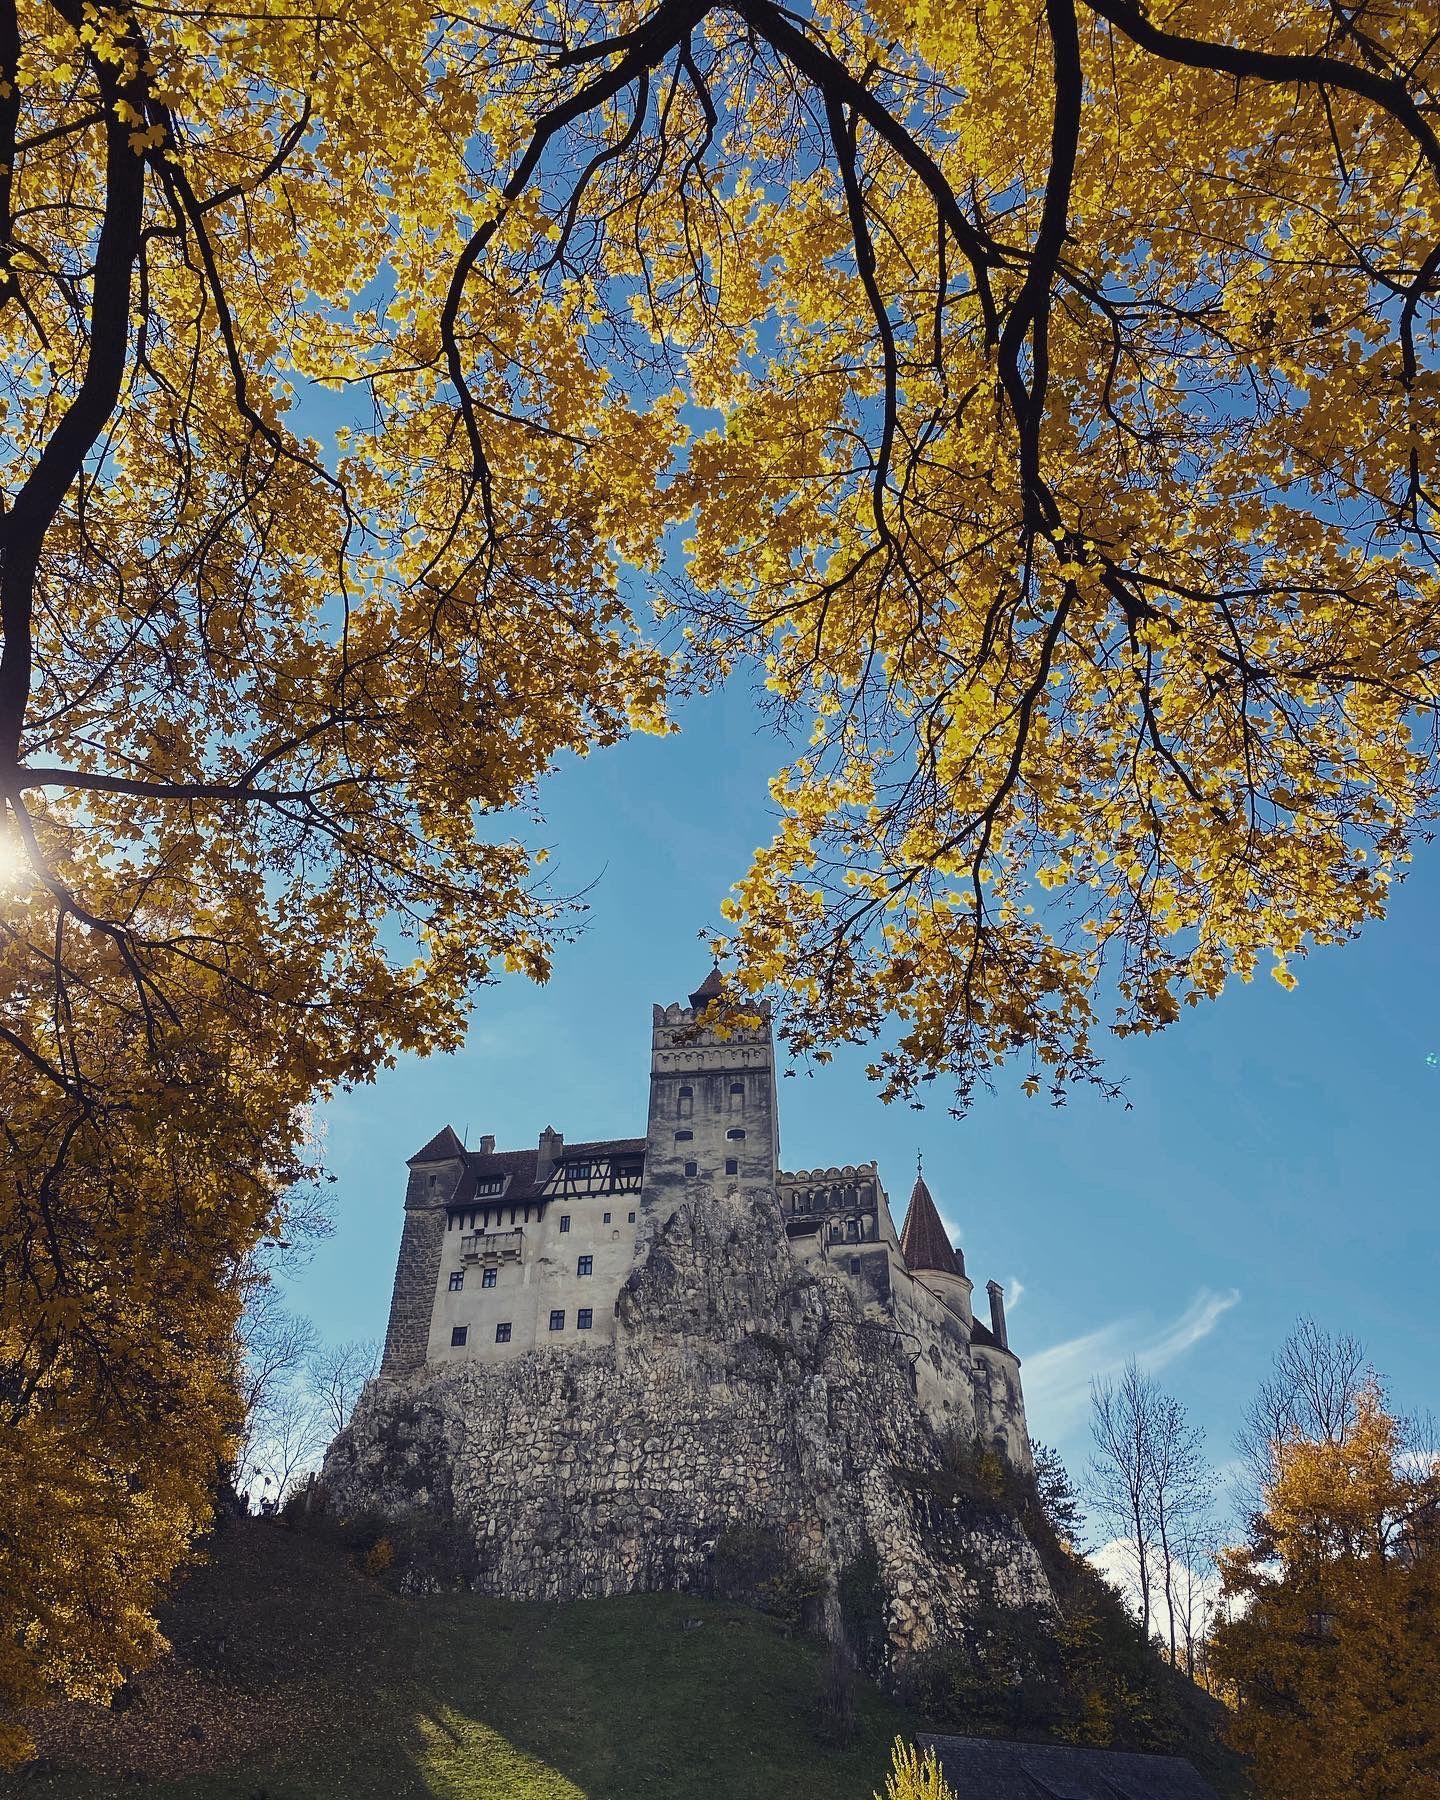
(1333, 1663)
(1045, 394)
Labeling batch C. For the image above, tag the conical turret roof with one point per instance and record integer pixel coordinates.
(709, 989)
(443, 1147)
(923, 1242)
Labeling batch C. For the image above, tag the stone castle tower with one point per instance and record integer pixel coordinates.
(511, 1253)
(611, 1363)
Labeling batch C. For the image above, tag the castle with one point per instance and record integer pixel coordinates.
(509, 1252)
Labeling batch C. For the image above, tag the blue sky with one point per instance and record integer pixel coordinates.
(1278, 1156)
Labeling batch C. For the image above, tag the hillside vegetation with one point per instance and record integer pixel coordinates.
(296, 1676)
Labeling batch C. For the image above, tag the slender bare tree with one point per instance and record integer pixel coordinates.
(1182, 1486)
(1310, 1394)
(1153, 1489)
(1120, 1481)
(338, 1372)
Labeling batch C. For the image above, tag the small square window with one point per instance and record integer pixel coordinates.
(502, 1333)
(583, 1318)
(585, 1265)
(684, 1137)
(606, 1219)
(692, 1168)
(564, 1221)
(557, 1320)
(731, 1166)
(854, 1265)
(737, 1133)
(629, 1218)
(737, 1087)
(457, 1280)
(458, 1335)
(487, 1278)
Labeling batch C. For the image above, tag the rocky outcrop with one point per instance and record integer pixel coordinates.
(743, 1394)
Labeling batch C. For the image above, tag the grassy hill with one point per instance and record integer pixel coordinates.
(296, 1677)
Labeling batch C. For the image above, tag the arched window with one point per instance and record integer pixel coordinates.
(737, 1096)
(686, 1103)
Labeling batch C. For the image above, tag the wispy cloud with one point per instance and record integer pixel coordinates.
(1014, 1293)
(1057, 1380)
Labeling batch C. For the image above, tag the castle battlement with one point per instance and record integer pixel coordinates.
(513, 1253)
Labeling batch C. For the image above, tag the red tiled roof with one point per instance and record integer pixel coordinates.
(923, 1242)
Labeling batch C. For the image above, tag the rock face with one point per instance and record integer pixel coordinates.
(742, 1394)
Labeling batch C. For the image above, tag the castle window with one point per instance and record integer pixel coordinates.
(854, 1265)
(692, 1168)
(585, 1265)
(685, 1105)
(458, 1335)
(629, 1218)
(735, 1132)
(557, 1320)
(433, 1180)
(502, 1333)
(737, 1096)
(487, 1278)
(606, 1219)
(583, 1319)
(852, 1230)
(581, 1171)
(489, 1186)
(732, 1167)
(457, 1280)
(684, 1137)
(564, 1221)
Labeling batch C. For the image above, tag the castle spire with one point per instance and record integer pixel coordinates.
(709, 989)
(923, 1242)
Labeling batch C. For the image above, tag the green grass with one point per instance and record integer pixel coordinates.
(295, 1677)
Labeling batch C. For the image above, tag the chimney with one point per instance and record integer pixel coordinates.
(997, 1313)
(487, 1145)
(552, 1142)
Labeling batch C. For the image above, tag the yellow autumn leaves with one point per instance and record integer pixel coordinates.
(371, 374)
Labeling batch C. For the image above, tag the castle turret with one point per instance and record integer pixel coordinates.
(929, 1255)
(436, 1171)
(713, 1114)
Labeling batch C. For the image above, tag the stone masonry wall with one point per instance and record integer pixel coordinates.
(422, 1244)
(741, 1391)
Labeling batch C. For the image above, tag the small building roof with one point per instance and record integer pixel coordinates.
(923, 1242)
(443, 1147)
(1001, 1769)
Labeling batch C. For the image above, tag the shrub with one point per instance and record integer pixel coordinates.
(756, 1564)
(915, 1777)
(378, 1557)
